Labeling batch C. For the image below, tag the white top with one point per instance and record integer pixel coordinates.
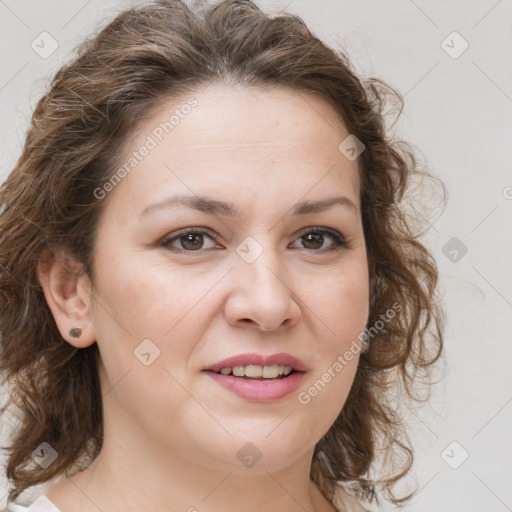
(42, 504)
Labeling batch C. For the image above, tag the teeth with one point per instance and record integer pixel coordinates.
(238, 371)
(271, 372)
(256, 371)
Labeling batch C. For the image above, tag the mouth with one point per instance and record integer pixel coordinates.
(258, 378)
(257, 372)
(258, 366)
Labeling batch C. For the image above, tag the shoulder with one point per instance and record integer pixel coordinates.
(41, 504)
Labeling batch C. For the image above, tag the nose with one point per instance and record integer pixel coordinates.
(262, 295)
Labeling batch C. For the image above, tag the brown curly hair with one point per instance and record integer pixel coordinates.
(118, 78)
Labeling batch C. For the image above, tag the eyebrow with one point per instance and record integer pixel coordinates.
(221, 208)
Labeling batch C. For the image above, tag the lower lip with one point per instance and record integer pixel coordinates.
(259, 390)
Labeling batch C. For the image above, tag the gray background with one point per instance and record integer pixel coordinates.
(458, 111)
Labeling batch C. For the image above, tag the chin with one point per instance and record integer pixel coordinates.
(265, 449)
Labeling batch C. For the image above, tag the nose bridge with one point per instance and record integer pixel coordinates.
(264, 293)
(261, 261)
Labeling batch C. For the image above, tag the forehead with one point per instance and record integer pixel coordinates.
(240, 117)
(225, 139)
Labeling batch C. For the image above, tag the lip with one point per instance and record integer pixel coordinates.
(259, 390)
(258, 359)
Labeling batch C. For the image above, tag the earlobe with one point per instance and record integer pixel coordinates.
(67, 294)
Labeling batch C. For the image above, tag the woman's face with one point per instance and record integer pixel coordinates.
(264, 276)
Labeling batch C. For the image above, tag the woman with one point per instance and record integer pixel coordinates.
(210, 291)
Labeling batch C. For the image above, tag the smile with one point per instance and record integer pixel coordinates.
(258, 378)
(256, 371)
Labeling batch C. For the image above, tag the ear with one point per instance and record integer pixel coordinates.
(68, 296)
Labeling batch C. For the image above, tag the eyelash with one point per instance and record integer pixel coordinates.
(339, 240)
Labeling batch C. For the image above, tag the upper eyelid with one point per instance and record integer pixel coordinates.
(209, 232)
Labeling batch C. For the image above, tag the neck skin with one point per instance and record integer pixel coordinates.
(133, 472)
(137, 479)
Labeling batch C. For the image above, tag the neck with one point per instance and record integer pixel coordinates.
(134, 472)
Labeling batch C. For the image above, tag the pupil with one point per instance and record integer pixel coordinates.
(194, 241)
(189, 238)
(315, 237)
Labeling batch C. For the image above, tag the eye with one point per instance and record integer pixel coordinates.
(316, 238)
(193, 240)
(190, 240)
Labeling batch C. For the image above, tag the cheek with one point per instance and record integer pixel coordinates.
(138, 301)
(341, 309)
(343, 313)
(146, 300)
(145, 331)
(341, 306)
(349, 313)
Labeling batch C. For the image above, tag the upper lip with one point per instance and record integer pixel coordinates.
(258, 359)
